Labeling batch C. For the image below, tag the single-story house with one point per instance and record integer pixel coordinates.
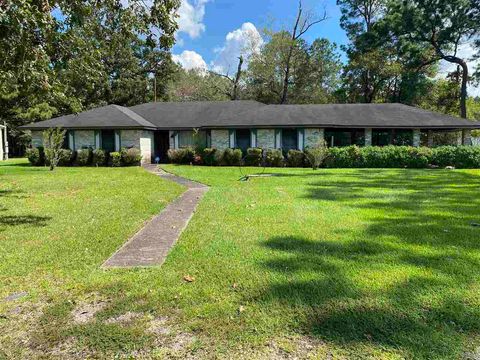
(156, 127)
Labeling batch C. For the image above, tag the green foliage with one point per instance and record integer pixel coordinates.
(36, 156)
(209, 158)
(115, 159)
(254, 157)
(96, 53)
(423, 22)
(295, 158)
(274, 158)
(316, 155)
(131, 156)
(53, 140)
(99, 157)
(66, 157)
(197, 85)
(343, 157)
(181, 156)
(84, 157)
(314, 70)
(232, 157)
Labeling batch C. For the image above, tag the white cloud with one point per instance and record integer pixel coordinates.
(465, 51)
(190, 20)
(243, 41)
(190, 60)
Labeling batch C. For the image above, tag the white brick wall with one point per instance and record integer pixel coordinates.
(313, 137)
(266, 138)
(220, 139)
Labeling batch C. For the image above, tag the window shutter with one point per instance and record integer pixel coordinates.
(118, 140)
(231, 135)
(71, 140)
(98, 143)
(278, 138)
(301, 139)
(253, 138)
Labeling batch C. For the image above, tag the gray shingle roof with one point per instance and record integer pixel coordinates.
(252, 114)
(105, 117)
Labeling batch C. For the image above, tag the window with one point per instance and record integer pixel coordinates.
(384, 137)
(189, 138)
(242, 139)
(381, 137)
(289, 139)
(402, 137)
(108, 140)
(185, 139)
(342, 137)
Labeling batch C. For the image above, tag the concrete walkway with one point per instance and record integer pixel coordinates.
(150, 246)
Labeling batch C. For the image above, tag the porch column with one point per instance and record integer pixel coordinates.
(467, 137)
(417, 134)
(430, 138)
(368, 137)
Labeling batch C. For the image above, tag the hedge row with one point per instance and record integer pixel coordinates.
(88, 157)
(337, 157)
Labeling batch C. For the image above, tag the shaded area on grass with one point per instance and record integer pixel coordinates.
(424, 310)
(32, 220)
(399, 316)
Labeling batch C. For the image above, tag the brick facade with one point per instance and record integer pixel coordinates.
(220, 139)
(266, 138)
(313, 137)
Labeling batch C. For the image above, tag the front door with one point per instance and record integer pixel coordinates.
(108, 140)
(162, 144)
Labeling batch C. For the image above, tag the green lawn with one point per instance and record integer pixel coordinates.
(340, 263)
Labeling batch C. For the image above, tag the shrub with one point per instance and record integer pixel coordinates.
(467, 157)
(53, 139)
(218, 157)
(99, 157)
(115, 159)
(316, 155)
(181, 156)
(374, 157)
(65, 157)
(209, 156)
(232, 157)
(197, 160)
(343, 157)
(419, 157)
(131, 157)
(444, 156)
(254, 157)
(274, 158)
(295, 158)
(84, 157)
(36, 156)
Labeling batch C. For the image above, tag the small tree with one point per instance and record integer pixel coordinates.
(53, 139)
(316, 154)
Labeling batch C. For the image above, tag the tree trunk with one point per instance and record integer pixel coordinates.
(237, 79)
(463, 91)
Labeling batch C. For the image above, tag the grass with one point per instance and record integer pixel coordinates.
(341, 263)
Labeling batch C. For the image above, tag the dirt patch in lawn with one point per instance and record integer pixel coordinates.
(85, 311)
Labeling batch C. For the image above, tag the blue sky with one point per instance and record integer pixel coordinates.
(212, 33)
(205, 25)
